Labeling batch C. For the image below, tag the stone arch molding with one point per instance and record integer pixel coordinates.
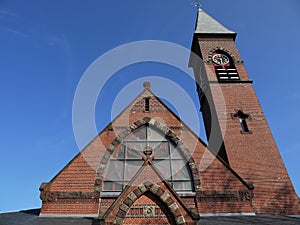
(139, 191)
(165, 130)
(210, 54)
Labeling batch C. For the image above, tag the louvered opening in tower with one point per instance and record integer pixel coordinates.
(225, 73)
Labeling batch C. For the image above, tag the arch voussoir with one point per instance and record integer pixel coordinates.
(157, 191)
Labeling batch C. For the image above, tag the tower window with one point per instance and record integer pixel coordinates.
(147, 104)
(241, 116)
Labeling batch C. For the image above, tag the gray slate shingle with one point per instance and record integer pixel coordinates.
(30, 217)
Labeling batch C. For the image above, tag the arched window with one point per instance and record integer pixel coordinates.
(127, 159)
(224, 67)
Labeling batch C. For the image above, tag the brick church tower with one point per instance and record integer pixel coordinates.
(148, 167)
(234, 119)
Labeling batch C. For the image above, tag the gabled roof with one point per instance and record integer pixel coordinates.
(205, 24)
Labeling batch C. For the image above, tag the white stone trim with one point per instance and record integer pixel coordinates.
(186, 193)
(69, 215)
(226, 214)
(110, 194)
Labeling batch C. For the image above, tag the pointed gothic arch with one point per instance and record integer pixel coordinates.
(167, 132)
(159, 193)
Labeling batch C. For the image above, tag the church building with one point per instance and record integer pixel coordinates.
(154, 169)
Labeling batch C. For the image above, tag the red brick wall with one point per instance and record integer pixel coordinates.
(136, 215)
(255, 155)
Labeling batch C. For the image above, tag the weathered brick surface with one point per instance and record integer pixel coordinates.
(70, 208)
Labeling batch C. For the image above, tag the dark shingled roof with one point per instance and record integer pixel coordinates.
(30, 217)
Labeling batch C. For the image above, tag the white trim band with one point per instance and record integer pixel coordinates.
(69, 215)
(226, 214)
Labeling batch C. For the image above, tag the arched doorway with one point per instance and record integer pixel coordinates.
(150, 210)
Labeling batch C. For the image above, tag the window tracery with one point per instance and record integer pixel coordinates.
(127, 160)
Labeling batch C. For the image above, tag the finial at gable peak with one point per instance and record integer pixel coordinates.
(147, 85)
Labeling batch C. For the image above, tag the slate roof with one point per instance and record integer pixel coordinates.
(30, 217)
(205, 24)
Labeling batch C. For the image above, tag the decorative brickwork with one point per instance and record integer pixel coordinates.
(149, 206)
(166, 131)
(155, 106)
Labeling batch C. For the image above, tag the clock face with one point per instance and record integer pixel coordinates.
(220, 59)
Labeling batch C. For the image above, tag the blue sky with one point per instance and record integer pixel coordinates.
(46, 46)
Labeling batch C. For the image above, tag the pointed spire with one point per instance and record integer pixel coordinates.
(205, 24)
